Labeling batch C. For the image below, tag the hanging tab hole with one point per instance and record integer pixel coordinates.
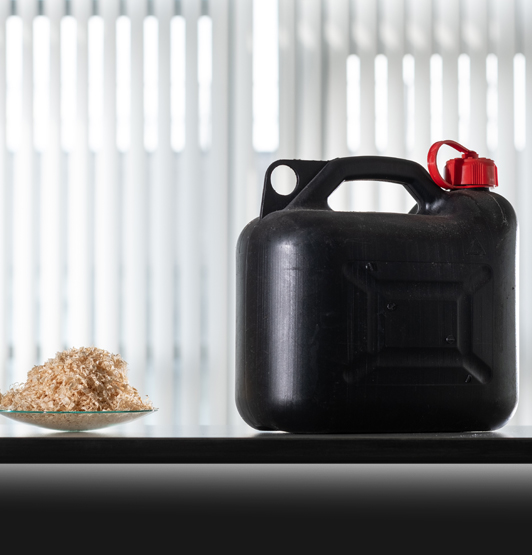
(283, 179)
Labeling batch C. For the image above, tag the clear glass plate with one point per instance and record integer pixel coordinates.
(75, 421)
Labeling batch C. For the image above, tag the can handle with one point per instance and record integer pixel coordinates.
(317, 180)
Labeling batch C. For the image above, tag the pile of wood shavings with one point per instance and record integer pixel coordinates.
(79, 379)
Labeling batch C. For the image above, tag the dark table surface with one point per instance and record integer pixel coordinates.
(148, 443)
(235, 478)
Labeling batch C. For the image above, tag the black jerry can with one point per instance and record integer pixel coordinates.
(360, 322)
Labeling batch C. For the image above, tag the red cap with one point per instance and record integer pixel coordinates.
(462, 173)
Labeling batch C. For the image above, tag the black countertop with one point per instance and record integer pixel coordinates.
(130, 443)
(215, 482)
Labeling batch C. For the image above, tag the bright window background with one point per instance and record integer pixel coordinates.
(135, 135)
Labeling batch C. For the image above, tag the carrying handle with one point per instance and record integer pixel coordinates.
(317, 180)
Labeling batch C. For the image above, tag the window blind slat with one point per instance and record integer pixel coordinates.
(393, 197)
(24, 231)
(135, 223)
(475, 36)
(337, 48)
(364, 34)
(244, 192)
(190, 225)
(162, 243)
(447, 31)
(4, 378)
(287, 79)
(336, 42)
(79, 199)
(524, 411)
(309, 65)
(106, 199)
(505, 50)
(218, 251)
(420, 40)
(52, 203)
(392, 35)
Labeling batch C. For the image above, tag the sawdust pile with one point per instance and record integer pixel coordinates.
(79, 379)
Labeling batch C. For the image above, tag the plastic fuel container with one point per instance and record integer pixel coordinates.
(362, 322)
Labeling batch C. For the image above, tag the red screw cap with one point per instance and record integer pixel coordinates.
(462, 173)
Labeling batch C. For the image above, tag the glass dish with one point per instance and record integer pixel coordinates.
(75, 421)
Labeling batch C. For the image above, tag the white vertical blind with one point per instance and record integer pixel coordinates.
(4, 180)
(79, 267)
(525, 236)
(475, 37)
(503, 20)
(51, 196)
(309, 71)
(243, 193)
(287, 79)
(190, 225)
(447, 42)
(24, 277)
(163, 231)
(135, 215)
(107, 211)
(336, 44)
(131, 157)
(265, 77)
(419, 36)
(392, 37)
(218, 250)
(363, 23)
